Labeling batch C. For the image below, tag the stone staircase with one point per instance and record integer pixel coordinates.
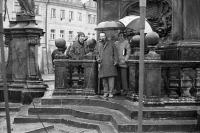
(115, 115)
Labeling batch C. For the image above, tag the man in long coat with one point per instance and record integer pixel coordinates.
(107, 58)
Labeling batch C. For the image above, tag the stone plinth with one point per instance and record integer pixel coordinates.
(198, 119)
(185, 31)
(91, 74)
(24, 78)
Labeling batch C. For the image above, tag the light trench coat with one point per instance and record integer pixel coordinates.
(123, 58)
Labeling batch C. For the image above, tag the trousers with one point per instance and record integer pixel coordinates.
(122, 79)
(108, 84)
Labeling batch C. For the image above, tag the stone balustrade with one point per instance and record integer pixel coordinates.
(173, 79)
(76, 75)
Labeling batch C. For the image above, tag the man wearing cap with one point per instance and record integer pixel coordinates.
(79, 47)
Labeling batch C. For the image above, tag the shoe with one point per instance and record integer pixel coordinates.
(110, 95)
(105, 95)
(124, 92)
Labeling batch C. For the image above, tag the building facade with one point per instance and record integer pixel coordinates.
(58, 19)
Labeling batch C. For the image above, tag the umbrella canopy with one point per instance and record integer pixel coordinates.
(110, 25)
(133, 22)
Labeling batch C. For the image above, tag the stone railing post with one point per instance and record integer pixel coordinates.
(91, 69)
(90, 75)
(61, 65)
(61, 74)
(133, 77)
(197, 84)
(134, 67)
(153, 80)
(198, 119)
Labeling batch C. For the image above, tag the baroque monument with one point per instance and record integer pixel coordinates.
(23, 39)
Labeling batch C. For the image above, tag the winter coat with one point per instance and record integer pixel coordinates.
(77, 50)
(107, 56)
(123, 57)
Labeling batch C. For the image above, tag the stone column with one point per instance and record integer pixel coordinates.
(185, 31)
(24, 78)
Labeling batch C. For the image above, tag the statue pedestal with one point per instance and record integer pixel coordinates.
(24, 78)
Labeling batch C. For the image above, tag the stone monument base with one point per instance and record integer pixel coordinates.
(23, 91)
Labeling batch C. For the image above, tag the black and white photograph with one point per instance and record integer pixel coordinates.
(99, 66)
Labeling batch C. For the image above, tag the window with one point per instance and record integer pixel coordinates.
(17, 7)
(79, 16)
(70, 34)
(71, 16)
(53, 12)
(94, 4)
(62, 33)
(62, 14)
(89, 18)
(91, 2)
(52, 36)
(36, 9)
(94, 19)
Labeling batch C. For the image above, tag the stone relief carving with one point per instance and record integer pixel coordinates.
(158, 14)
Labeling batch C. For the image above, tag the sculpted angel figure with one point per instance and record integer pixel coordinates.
(27, 7)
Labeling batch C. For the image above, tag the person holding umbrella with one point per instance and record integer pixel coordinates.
(107, 57)
(124, 52)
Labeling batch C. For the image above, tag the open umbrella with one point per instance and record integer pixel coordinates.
(133, 22)
(110, 25)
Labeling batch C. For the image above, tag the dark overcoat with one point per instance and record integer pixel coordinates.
(78, 51)
(107, 55)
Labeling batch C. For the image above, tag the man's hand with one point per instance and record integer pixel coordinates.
(98, 61)
(126, 60)
(115, 64)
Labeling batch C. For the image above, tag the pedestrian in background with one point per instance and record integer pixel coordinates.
(106, 55)
(124, 51)
(79, 48)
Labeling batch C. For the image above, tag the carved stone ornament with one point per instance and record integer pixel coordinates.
(158, 14)
(33, 41)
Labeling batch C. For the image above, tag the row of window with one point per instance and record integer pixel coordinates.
(92, 19)
(62, 34)
(90, 3)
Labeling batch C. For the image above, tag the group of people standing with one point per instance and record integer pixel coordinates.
(112, 58)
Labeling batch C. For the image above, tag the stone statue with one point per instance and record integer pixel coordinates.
(27, 7)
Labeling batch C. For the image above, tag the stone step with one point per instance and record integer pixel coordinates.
(118, 120)
(128, 108)
(106, 127)
(102, 127)
(65, 92)
(14, 107)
